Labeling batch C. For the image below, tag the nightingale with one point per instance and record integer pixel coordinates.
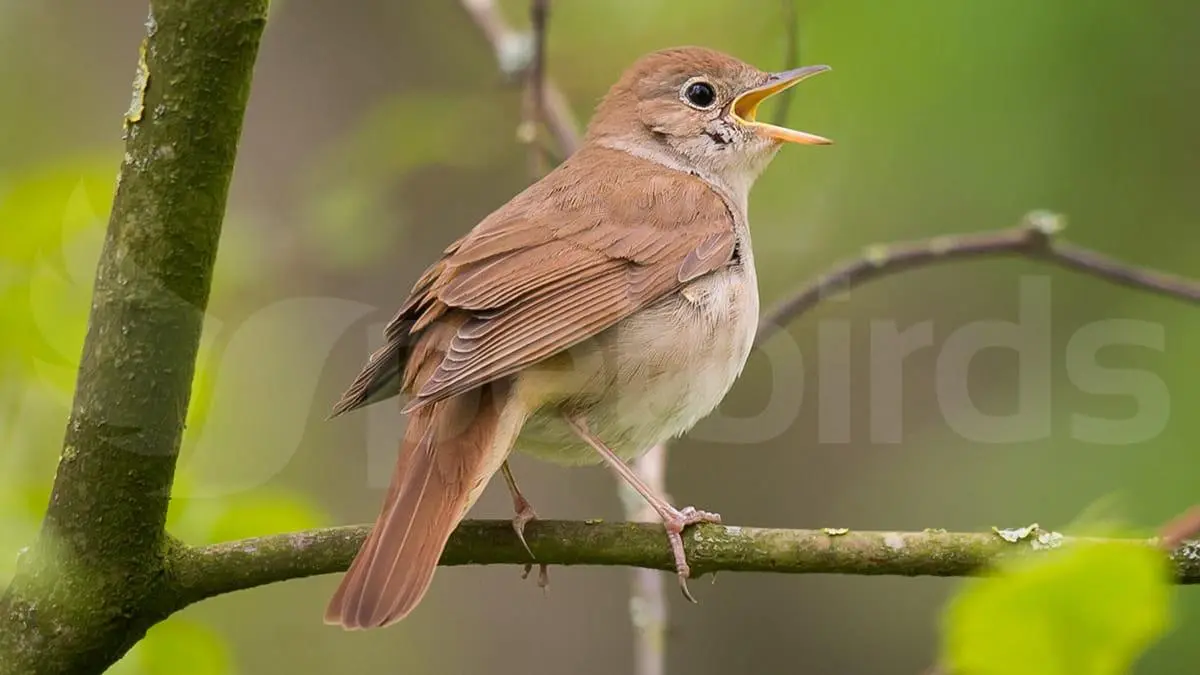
(603, 310)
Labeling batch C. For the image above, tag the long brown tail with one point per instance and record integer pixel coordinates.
(450, 450)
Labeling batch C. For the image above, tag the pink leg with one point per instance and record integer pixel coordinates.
(675, 520)
(525, 513)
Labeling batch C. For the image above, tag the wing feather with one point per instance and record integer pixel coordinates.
(599, 238)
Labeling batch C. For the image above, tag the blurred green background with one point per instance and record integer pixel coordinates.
(380, 130)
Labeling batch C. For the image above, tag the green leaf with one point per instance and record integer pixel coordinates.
(1086, 609)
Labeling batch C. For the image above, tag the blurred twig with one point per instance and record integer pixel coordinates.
(1180, 529)
(791, 55)
(555, 111)
(204, 572)
(534, 109)
(1035, 238)
(648, 598)
(545, 107)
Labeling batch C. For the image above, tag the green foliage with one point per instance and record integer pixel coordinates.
(40, 213)
(264, 511)
(52, 224)
(178, 647)
(1085, 609)
(351, 221)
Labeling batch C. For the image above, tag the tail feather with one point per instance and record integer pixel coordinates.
(449, 450)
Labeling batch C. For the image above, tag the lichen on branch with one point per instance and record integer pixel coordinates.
(223, 568)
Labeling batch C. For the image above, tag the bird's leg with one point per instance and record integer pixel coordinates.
(521, 506)
(675, 520)
(525, 513)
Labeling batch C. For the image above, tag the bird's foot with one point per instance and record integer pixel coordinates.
(526, 514)
(543, 580)
(675, 520)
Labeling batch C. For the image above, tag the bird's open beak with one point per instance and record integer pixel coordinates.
(745, 106)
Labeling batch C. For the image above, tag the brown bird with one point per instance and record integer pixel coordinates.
(605, 309)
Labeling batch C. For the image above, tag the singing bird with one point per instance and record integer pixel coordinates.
(605, 309)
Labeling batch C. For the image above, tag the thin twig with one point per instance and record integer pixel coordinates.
(556, 112)
(545, 106)
(648, 607)
(535, 97)
(791, 56)
(1035, 239)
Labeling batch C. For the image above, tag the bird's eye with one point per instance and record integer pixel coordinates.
(700, 95)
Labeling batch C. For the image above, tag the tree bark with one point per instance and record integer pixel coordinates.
(93, 582)
(233, 566)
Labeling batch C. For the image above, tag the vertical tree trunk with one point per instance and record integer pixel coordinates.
(91, 585)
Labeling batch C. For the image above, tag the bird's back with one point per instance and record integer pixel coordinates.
(598, 238)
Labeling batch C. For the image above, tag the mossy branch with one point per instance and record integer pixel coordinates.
(93, 583)
(208, 571)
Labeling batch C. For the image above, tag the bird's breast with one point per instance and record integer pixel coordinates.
(655, 374)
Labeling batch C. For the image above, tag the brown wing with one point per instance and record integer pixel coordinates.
(602, 236)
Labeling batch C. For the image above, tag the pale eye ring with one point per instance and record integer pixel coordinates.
(699, 94)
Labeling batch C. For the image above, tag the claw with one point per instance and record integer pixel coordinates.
(674, 520)
(525, 514)
(684, 587)
(675, 523)
(543, 580)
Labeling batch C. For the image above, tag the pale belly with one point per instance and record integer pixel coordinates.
(652, 376)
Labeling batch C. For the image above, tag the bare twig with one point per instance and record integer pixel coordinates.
(791, 55)
(648, 598)
(555, 111)
(535, 96)
(1035, 239)
(544, 106)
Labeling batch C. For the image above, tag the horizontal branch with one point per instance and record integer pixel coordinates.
(1034, 239)
(204, 572)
